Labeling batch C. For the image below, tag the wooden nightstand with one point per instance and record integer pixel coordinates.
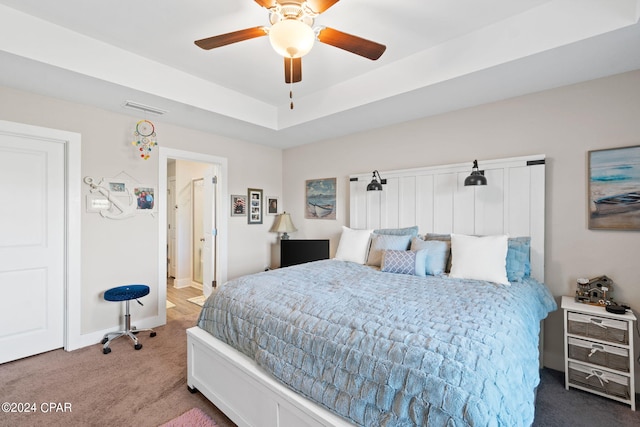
(598, 351)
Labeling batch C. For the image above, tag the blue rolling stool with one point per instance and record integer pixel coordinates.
(125, 293)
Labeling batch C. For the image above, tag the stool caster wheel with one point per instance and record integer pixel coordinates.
(106, 350)
(152, 334)
(104, 340)
(137, 346)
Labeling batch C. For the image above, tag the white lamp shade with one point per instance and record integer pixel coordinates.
(283, 224)
(291, 38)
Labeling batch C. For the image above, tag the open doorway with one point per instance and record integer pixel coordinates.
(190, 211)
(192, 224)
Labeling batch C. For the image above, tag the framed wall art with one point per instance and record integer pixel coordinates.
(120, 197)
(614, 189)
(320, 198)
(254, 197)
(238, 205)
(145, 197)
(273, 205)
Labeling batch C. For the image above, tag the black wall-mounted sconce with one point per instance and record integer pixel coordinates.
(374, 185)
(477, 176)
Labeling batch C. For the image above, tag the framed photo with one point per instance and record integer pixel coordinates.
(145, 198)
(238, 205)
(254, 197)
(272, 205)
(320, 198)
(614, 189)
(117, 187)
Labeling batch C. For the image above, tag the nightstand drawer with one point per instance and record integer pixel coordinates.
(599, 354)
(599, 380)
(601, 328)
(598, 351)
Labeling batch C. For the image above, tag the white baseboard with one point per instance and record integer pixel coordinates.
(182, 283)
(186, 283)
(95, 337)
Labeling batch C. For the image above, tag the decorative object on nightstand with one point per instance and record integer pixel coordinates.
(284, 225)
(598, 351)
(596, 291)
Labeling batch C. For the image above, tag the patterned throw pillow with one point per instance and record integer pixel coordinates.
(382, 242)
(400, 262)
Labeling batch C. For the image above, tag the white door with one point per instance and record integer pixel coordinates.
(171, 226)
(210, 231)
(197, 230)
(32, 245)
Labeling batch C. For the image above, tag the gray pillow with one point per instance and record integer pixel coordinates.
(407, 231)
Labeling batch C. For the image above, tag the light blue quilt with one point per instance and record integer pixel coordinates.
(383, 349)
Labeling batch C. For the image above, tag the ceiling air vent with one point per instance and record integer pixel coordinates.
(146, 108)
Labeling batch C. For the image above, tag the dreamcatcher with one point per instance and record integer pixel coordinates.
(145, 138)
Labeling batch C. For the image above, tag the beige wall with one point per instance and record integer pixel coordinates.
(116, 252)
(564, 124)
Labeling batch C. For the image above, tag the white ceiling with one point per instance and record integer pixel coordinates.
(441, 55)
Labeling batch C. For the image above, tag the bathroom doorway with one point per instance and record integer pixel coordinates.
(193, 228)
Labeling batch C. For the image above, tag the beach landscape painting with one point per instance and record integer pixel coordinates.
(614, 188)
(320, 198)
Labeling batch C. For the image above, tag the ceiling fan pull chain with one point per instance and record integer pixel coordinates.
(291, 83)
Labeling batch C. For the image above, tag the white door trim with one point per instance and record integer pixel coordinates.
(73, 207)
(221, 204)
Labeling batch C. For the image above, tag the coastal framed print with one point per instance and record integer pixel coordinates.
(254, 197)
(320, 198)
(614, 189)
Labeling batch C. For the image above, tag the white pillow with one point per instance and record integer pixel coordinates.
(354, 245)
(479, 258)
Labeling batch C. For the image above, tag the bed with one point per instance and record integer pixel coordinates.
(339, 342)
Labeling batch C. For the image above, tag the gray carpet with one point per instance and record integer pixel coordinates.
(144, 388)
(556, 406)
(148, 388)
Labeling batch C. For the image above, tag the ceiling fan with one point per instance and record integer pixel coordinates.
(292, 34)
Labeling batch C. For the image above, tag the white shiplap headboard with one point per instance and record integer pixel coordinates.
(436, 200)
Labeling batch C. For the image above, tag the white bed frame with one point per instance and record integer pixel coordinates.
(435, 199)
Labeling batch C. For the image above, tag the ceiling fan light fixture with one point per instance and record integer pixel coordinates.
(291, 38)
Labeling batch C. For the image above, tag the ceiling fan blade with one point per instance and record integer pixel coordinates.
(296, 72)
(350, 43)
(319, 6)
(228, 38)
(268, 4)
